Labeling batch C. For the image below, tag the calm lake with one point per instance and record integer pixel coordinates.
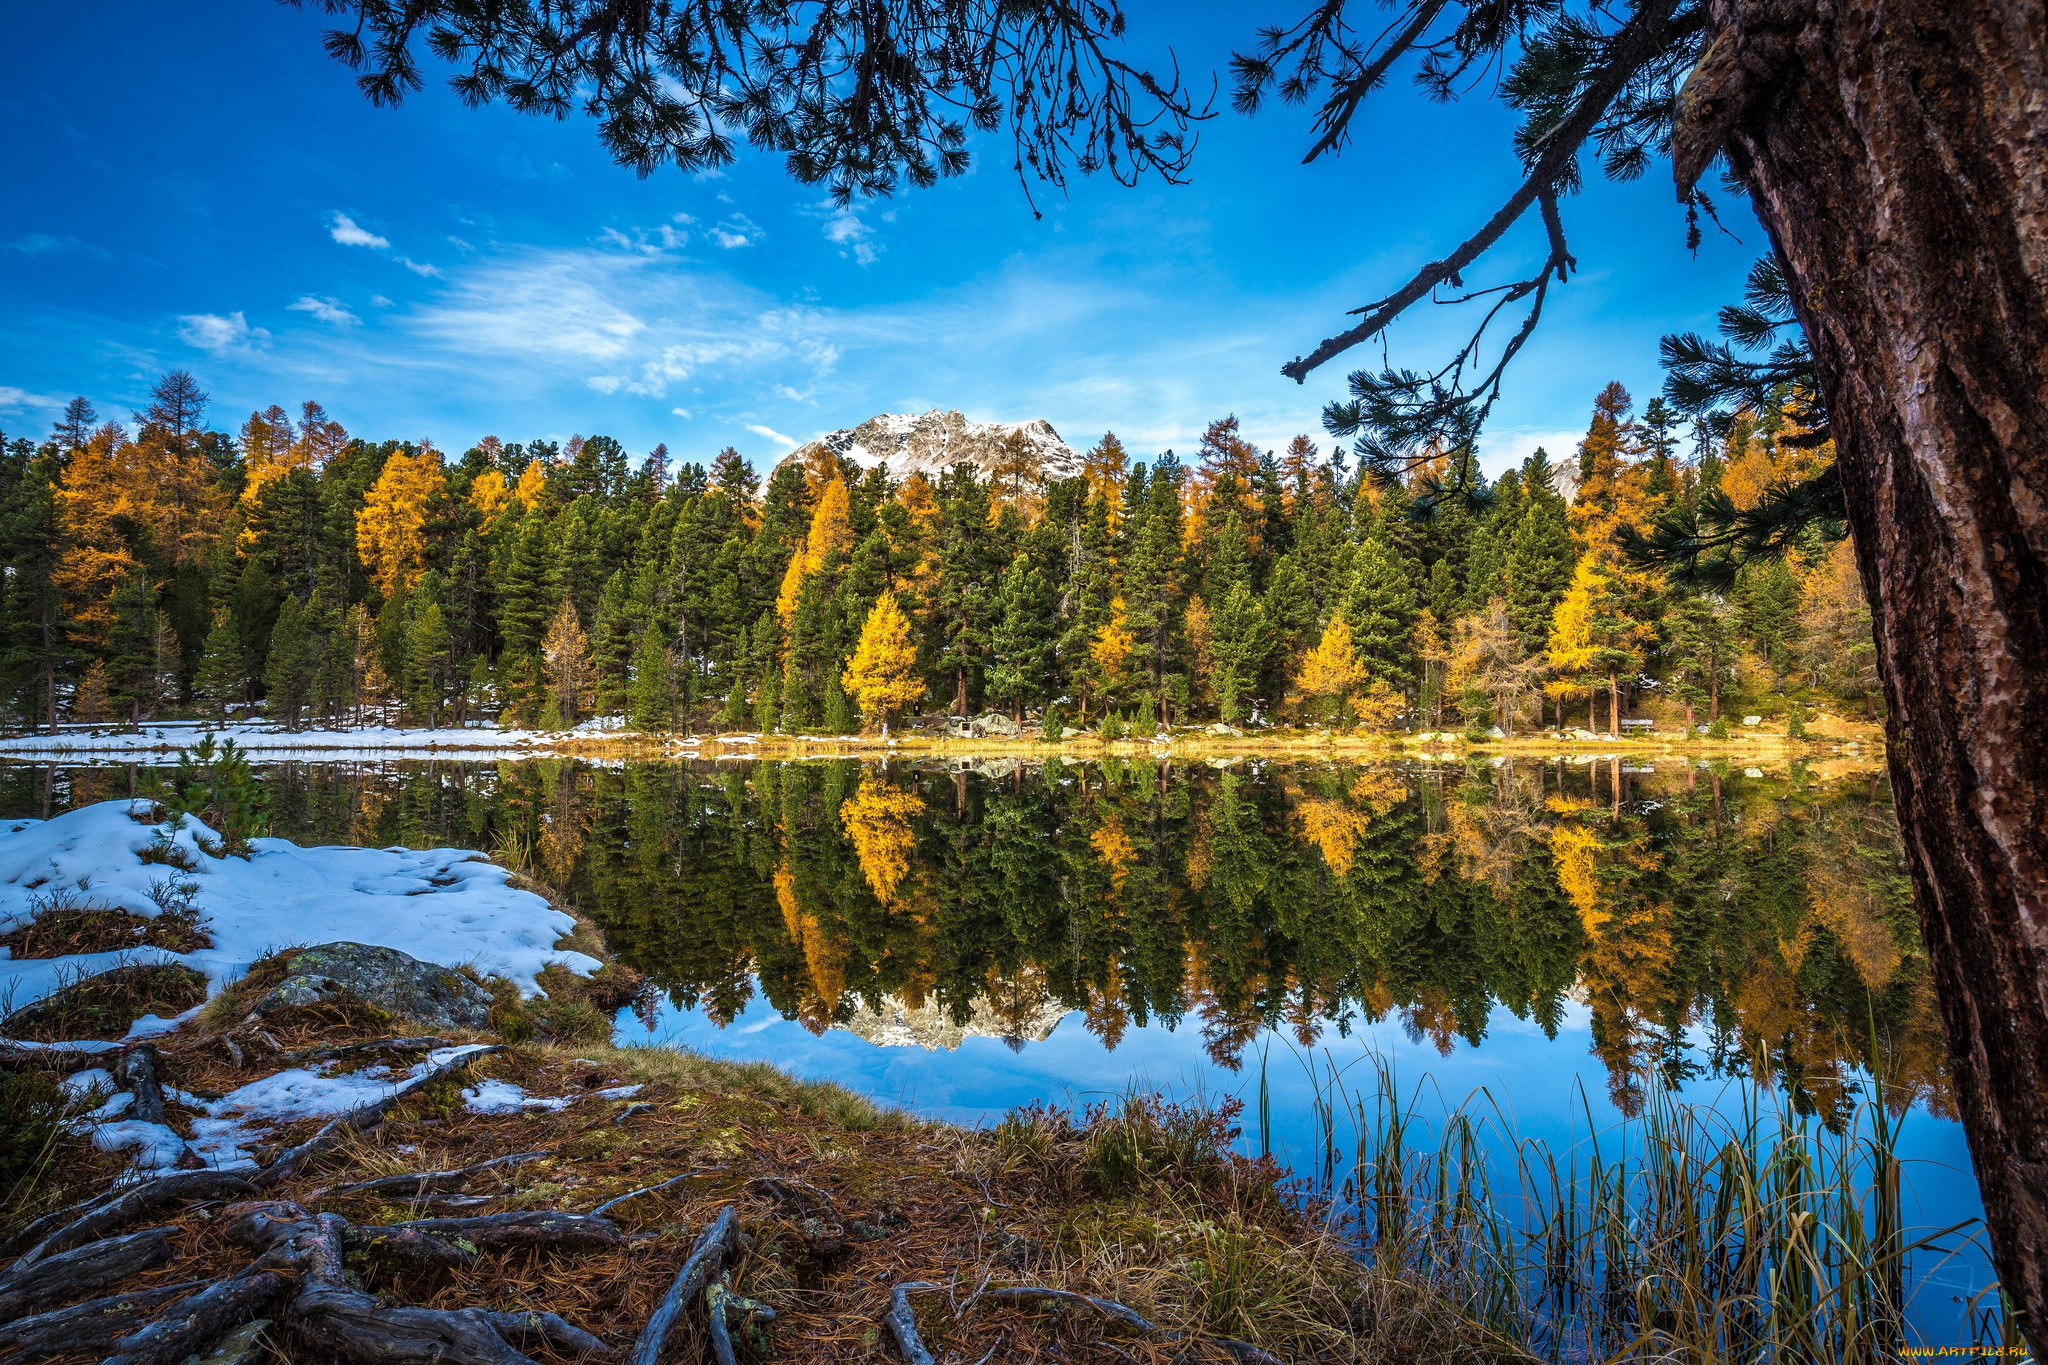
(1553, 940)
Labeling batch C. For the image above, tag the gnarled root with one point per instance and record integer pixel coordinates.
(1241, 1350)
(28, 1289)
(88, 1327)
(97, 1217)
(718, 1302)
(902, 1322)
(706, 1256)
(198, 1320)
(430, 1182)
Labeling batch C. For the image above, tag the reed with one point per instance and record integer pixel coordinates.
(1685, 1234)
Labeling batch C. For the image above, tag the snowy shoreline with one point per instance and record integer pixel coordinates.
(447, 905)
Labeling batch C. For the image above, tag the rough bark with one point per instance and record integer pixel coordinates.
(101, 1217)
(706, 1256)
(88, 1327)
(81, 1270)
(199, 1320)
(1895, 152)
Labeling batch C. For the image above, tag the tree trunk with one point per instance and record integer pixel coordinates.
(1614, 705)
(1897, 152)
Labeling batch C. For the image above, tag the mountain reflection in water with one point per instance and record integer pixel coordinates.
(1710, 923)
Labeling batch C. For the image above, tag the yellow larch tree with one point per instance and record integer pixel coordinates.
(878, 825)
(489, 494)
(1332, 668)
(533, 482)
(1573, 651)
(1109, 650)
(1103, 467)
(831, 530)
(390, 529)
(881, 677)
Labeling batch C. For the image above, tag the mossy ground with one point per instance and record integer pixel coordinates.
(1141, 1203)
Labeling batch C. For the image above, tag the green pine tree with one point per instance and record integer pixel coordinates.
(1381, 611)
(218, 685)
(285, 672)
(652, 683)
(1022, 640)
(1240, 644)
(426, 663)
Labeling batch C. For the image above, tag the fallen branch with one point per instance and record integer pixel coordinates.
(788, 1189)
(58, 1057)
(135, 1069)
(610, 1204)
(522, 1329)
(406, 1244)
(198, 1320)
(88, 1327)
(902, 1322)
(717, 1299)
(71, 1273)
(101, 1217)
(333, 1050)
(535, 1227)
(428, 1182)
(1242, 1350)
(706, 1256)
(361, 1117)
(619, 1119)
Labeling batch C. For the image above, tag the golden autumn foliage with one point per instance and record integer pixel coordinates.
(824, 953)
(1111, 646)
(878, 825)
(1575, 850)
(1334, 828)
(831, 532)
(390, 530)
(882, 675)
(1332, 669)
(489, 495)
(1114, 851)
(533, 482)
(98, 490)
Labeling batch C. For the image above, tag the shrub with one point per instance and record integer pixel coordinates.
(1055, 720)
(31, 1115)
(1146, 1139)
(1145, 722)
(1113, 725)
(1718, 730)
(217, 785)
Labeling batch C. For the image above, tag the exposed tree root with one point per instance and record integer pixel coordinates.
(88, 1327)
(97, 1218)
(902, 1322)
(706, 1256)
(718, 1301)
(429, 1182)
(93, 1266)
(1242, 1350)
(608, 1205)
(533, 1227)
(135, 1069)
(301, 1056)
(522, 1329)
(198, 1320)
(360, 1118)
(57, 1057)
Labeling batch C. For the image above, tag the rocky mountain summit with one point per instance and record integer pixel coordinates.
(933, 442)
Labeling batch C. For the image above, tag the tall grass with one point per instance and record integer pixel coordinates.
(1685, 1234)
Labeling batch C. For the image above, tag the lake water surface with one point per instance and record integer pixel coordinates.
(1554, 941)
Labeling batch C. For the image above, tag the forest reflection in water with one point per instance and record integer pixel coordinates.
(1709, 923)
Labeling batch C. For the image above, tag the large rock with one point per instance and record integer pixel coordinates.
(437, 996)
(996, 723)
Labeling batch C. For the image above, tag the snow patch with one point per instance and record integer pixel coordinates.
(446, 905)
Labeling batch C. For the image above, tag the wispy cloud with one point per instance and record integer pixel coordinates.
(330, 310)
(771, 434)
(420, 268)
(13, 399)
(845, 229)
(735, 230)
(344, 230)
(43, 244)
(221, 333)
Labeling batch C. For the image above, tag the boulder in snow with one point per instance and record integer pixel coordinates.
(395, 982)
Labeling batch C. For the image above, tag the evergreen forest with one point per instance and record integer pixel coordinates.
(290, 571)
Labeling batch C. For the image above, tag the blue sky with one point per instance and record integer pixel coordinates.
(197, 186)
